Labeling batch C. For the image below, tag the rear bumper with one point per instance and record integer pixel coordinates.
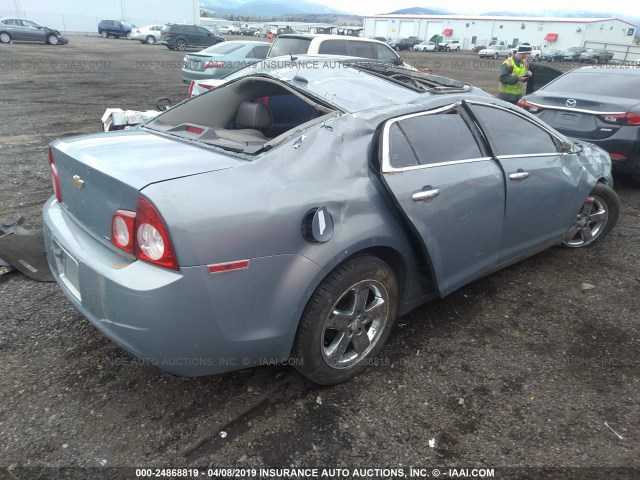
(185, 323)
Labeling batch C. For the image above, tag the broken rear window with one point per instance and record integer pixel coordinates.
(247, 116)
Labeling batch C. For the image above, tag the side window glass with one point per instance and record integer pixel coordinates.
(400, 152)
(333, 47)
(385, 53)
(261, 51)
(440, 137)
(360, 49)
(512, 134)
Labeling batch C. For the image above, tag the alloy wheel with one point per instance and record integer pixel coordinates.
(355, 323)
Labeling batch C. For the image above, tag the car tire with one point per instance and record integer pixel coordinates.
(52, 39)
(104, 34)
(495, 57)
(181, 45)
(5, 37)
(458, 49)
(596, 218)
(397, 48)
(128, 35)
(150, 40)
(346, 321)
(596, 61)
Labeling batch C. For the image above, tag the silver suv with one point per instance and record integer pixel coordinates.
(321, 44)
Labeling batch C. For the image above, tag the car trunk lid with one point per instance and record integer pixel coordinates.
(583, 116)
(102, 173)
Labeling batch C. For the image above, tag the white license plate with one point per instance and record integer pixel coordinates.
(68, 269)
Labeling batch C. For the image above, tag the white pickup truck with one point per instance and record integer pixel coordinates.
(535, 51)
(450, 45)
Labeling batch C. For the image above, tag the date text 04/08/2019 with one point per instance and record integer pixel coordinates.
(313, 473)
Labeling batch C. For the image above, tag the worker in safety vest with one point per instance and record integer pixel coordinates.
(513, 73)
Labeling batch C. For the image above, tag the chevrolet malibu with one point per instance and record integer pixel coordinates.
(294, 211)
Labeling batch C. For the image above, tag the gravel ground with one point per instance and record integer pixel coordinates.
(534, 366)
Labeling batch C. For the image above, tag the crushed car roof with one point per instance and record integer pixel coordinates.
(354, 84)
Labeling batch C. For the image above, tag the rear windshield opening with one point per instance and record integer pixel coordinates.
(248, 116)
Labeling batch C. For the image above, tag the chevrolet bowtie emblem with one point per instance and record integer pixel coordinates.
(78, 182)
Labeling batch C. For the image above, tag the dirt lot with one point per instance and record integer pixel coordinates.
(524, 368)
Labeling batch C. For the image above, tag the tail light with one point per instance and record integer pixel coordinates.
(191, 85)
(619, 156)
(630, 118)
(529, 107)
(143, 234)
(137, 30)
(212, 64)
(55, 178)
(122, 228)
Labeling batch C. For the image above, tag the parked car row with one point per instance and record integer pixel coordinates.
(578, 54)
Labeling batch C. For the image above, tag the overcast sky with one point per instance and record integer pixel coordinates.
(371, 7)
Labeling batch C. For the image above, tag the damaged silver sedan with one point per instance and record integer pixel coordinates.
(290, 214)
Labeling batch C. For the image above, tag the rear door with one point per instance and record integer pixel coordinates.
(15, 29)
(541, 182)
(204, 37)
(113, 27)
(449, 190)
(257, 53)
(333, 47)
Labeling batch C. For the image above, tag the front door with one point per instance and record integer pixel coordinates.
(541, 181)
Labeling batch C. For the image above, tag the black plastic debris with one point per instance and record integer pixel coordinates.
(23, 250)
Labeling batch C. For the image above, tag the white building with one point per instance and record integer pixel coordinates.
(561, 33)
(83, 15)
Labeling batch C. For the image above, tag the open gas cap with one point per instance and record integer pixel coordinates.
(317, 226)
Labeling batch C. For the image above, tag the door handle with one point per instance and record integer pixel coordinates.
(518, 175)
(425, 195)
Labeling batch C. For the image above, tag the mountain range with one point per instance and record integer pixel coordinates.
(279, 8)
(265, 8)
